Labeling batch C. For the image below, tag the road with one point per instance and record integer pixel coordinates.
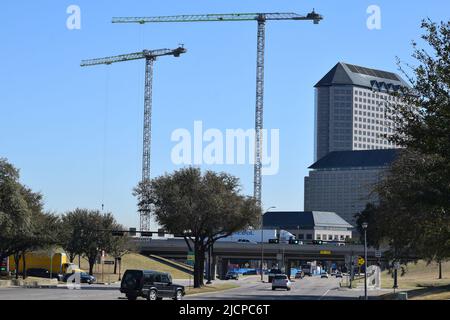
(309, 288)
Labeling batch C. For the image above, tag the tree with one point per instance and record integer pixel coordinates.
(414, 210)
(202, 208)
(70, 230)
(15, 216)
(91, 233)
(23, 224)
(409, 218)
(423, 121)
(120, 246)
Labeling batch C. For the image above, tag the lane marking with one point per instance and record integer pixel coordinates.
(324, 294)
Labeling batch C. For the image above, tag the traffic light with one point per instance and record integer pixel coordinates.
(274, 241)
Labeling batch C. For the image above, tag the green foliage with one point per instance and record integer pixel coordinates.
(24, 226)
(87, 232)
(204, 207)
(413, 216)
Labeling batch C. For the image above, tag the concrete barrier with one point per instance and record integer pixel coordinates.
(29, 283)
(5, 283)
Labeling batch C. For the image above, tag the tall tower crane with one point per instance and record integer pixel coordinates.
(150, 57)
(261, 18)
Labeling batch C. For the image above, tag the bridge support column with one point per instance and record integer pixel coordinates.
(223, 267)
(288, 268)
(213, 267)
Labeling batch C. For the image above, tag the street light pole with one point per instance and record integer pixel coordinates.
(365, 225)
(262, 243)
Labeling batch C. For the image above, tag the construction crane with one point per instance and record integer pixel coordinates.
(150, 57)
(261, 18)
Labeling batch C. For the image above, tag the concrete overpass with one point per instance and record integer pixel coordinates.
(224, 252)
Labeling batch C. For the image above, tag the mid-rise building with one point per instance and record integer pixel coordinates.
(309, 225)
(344, 181)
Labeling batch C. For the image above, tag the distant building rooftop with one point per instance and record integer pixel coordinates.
(356, 158)
(303, 219)
(349, 74)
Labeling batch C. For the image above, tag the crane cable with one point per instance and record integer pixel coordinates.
(105, 135)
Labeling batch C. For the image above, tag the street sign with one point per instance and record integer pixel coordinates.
(325, 252)
(361, 261)
(190, 258)
(377, 254)
(4, 265)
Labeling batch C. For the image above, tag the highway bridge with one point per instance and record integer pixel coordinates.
(281, 253)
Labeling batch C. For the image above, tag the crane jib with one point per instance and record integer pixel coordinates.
(218, 17)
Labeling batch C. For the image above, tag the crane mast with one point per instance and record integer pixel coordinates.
(150, 57)
(261, 18)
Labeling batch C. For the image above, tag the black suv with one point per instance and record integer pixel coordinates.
(273, 273)
(152, 285)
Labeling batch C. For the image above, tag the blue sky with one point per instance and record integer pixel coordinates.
(76, 133)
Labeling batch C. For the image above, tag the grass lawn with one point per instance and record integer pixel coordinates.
(211, 288)
(421, 281)
(130, 261)
(418, 276)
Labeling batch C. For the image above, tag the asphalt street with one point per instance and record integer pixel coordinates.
(251, 288)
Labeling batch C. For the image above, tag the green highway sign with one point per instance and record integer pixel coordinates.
(190, 258)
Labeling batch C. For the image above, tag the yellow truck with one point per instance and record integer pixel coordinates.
(59, 263)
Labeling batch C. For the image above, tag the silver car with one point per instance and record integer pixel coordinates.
(281, 281)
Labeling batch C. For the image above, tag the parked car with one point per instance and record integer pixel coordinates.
(299, 275)
(232, 275)
(250, 272)
(43, 273)
(272, 273)
(84, 277)
(338, 274)
(149, 284)
(281, 281)
(324, 274)
(307, 272)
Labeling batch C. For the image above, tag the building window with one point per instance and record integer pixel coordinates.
(309, 236)
(300, 236)
(330, 237)
(318, 237)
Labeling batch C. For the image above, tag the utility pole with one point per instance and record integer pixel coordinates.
(262, 243)
(150, 57)
(261, 18)
(364, 226)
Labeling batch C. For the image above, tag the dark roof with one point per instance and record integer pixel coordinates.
(303, 219)
(349, 74)
(357, 158)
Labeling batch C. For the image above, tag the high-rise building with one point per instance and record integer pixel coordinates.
(350, 109)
